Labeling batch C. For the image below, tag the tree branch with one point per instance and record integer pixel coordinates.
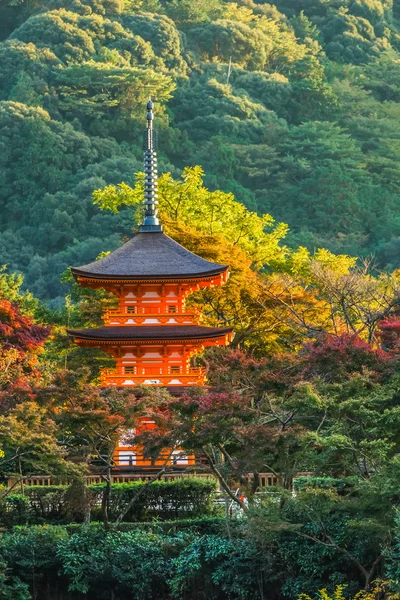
(223, 481)
(136, 497)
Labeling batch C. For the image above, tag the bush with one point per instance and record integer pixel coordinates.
(14, 510)
(30, 554)
(325, 483)
(12, 588)
(220, 567)
(176, 499)
(202, 526)
(130, 564)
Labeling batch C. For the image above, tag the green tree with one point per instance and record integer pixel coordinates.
(188, 202)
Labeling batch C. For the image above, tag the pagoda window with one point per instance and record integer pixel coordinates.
(126, 458)
(172, 309)
(178, 458)
(175, 369)
(130, 369)
(131, 309)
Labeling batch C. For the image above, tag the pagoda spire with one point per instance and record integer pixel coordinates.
(150, 221)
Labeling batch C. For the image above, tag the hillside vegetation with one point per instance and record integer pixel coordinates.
(279, 152)
(304, 126)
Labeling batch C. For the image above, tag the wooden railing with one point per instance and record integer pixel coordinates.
(193, 376)
(116, 477)
(130, 460)
(127, 477)
(116, 317)
(120, 475)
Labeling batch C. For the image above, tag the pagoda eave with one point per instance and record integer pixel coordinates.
(89, 280)
(160, 342)
(150, 335)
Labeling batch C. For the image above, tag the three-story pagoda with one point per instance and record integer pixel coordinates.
(152, 335)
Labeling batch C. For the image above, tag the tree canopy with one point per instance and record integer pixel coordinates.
(303, 126)
(278, 128)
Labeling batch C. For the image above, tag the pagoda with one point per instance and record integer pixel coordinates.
(152, 335)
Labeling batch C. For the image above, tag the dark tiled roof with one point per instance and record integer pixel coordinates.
(150, 332)
(149, 255)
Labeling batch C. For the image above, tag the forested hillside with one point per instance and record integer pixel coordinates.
(305, 125)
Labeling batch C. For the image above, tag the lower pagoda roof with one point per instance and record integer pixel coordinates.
(150, 332)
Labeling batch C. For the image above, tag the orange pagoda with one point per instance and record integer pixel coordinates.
(152, 335)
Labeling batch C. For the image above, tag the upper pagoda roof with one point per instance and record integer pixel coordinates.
(149, 255)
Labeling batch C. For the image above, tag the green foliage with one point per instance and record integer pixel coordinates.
(176, 499)
(213, 525)
(14, 510)
(12, 588)
(234, 566)
(162, 499)
(189, 202)
(162, 35)
(132, 564)
(31, 552)
(154, 564)
(393, 558)
(187, 12)
(305, 483)
(77, 78)
(129, 562)
(303, 128)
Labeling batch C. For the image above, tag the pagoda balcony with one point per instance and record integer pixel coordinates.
(193, 376)
(116, 317)
(128, 460)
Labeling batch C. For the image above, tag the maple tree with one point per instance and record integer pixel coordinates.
(21, 341)
(89, 423)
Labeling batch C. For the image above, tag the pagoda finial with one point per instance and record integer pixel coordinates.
(150, 221)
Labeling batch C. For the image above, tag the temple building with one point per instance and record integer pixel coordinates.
(152, 335)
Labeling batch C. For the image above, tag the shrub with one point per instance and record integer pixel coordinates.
(30, 552)
(176, 499)
(219, 567)
(14, 510)
(12, 588)
(325, 483)
(163, 499)
(131, 563)
(209, 525)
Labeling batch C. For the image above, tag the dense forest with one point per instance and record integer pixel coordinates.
(279, 151)
(291, 106)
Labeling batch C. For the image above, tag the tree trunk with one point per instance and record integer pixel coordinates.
(105, 501)
(86, 515)
(288, 481)
(371, 574)
(255, 483)
(222, 481)
(138, 494)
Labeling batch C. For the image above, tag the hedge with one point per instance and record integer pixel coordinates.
(128, 565)
(208, 525)
(325, 483)
(176, 499)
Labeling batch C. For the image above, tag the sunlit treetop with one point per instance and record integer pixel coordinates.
(188, 202)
